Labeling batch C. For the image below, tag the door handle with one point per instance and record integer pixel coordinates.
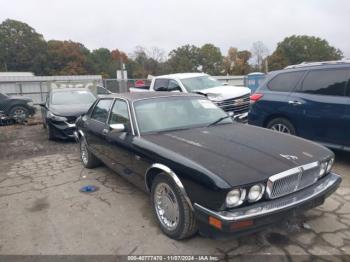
(291, 102)
(105, 131)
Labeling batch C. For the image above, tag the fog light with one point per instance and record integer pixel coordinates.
(330, 165)
(256, 192)
(235, 197)
(323, 168)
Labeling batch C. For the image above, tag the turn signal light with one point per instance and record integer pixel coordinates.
(215, 222)
(255, 97)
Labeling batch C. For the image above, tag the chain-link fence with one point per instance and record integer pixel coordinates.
(120, 86)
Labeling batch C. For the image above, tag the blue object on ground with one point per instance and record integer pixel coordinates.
(88, 189)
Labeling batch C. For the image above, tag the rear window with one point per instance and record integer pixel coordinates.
(285, 82)
(326, 82)
(161, 84)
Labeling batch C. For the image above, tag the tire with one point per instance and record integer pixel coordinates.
(50, 132)
(87, 158)
(281, 125)
(19, 112)
(186, 224)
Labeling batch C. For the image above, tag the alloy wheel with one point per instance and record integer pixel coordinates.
(167, 206)
(281, 128)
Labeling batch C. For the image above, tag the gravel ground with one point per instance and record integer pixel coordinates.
(43, 212)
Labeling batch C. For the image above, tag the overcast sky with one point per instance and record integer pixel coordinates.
(169, 24)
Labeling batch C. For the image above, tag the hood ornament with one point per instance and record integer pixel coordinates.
(289, 157)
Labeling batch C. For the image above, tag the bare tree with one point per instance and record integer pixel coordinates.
(260, 52)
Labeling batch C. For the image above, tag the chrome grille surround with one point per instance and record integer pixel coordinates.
(292, 180)
(238, 105)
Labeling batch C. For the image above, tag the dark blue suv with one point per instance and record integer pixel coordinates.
(311, 100)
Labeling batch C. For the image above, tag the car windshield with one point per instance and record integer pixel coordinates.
(72, 97)
(174, 113)
(200, 83)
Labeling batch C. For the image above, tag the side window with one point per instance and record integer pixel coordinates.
(120, 113)
(326, 82)
(161, 85)
(174, 85)
(285, 82)
(100, 112)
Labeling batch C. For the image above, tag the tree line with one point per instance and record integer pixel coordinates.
(24, 49)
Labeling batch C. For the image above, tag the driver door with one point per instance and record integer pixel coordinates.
(118, 147)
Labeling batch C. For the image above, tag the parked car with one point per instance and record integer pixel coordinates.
(17, 107)
(311, 100)
(202, 169)
(61, 109)
(233, 99)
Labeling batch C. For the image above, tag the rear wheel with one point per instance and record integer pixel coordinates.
(173, 213)
(281, 125)
(87, 158)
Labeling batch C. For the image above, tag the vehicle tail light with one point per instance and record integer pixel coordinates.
(255, 97)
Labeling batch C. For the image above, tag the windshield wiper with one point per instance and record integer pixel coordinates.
(219, 120)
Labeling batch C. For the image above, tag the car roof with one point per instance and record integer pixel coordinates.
(311, 67)
(134, 96)
(182, 75)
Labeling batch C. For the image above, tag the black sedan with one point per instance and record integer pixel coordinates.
(203, 170)
(61, 109)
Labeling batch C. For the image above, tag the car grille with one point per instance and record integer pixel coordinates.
(292, 180)
(71, 119)
(237, 105)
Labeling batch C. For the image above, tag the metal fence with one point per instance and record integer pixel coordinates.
(37, 90)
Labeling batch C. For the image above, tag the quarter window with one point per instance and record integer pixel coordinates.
(100, 112)
(161, 84)
(326, 82)
(120, 113)
(285, 82)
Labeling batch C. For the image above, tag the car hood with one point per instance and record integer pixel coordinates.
(236, 153)
(69, 110)
(224, 92)
(21, 98)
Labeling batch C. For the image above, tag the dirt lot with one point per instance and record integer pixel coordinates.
(43, 211)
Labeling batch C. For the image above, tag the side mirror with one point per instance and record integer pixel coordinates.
(117, 127)
(42, 104)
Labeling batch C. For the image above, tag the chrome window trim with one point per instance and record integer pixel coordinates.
(289, 172)
(129, 112)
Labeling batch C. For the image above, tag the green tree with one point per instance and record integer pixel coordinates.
(21, 48)
(184, 59)
(211, 59)
(297, 49)
(68, 58)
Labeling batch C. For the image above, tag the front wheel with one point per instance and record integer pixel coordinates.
(87, 158)
(281, 125)
(19, 112)
(173, 213)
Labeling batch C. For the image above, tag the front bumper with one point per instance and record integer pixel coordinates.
(254, 217)
(62, 130)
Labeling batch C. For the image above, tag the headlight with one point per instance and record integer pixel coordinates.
(56, 118)
(330, 165)
(235, 197)
(323, 168)
(256, 192)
